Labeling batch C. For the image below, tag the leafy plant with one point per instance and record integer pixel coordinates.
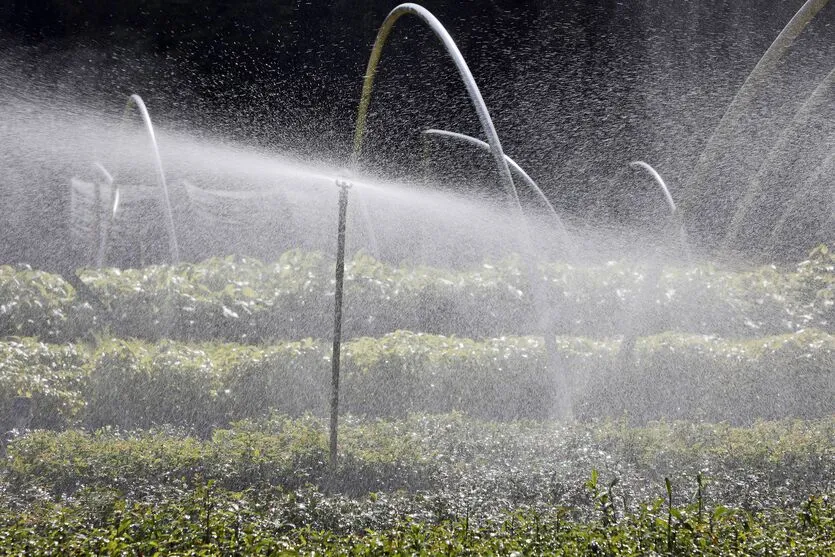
(245, 300)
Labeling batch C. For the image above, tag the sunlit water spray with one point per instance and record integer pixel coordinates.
(229, 198)
(226, 197)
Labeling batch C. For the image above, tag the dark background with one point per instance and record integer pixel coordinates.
(577, 88)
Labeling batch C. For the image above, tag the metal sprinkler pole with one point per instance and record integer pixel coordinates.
(344, 186)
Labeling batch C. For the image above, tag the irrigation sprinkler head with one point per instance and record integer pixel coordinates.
(344, 183)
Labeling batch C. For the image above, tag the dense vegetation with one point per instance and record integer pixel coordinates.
(139, 384)
(424, 484)
(244, 300)
(173, 416)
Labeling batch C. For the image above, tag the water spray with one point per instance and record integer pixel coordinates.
(104, 231)
(756, 184)
(502, 167)
(343, 185)
(745, 96)
(566, 238)
(114, 209)
(626, 352)
(466, 76)
(827, 168)
(675, 214)
(136, 101)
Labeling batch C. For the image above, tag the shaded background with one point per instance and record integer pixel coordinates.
(577, 88)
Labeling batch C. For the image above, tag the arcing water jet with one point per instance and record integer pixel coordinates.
(568, 244)
(711, 159)
(136, 101)
(791, 208)
(802, 125)
(466, 76)
(498, 154)
(658, 180)
(675, 214)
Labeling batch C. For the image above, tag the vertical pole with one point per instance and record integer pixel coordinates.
(344, 186)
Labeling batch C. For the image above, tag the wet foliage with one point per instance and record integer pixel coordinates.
(185, 420)
(136, 384)
(245, 300)
(422, 485)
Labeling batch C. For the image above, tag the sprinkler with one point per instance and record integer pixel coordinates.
(344, 185)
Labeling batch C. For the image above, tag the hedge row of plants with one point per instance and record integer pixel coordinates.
(515, 463)
(215, 522)
(135, 384)
(244, 300)
(422, 484)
